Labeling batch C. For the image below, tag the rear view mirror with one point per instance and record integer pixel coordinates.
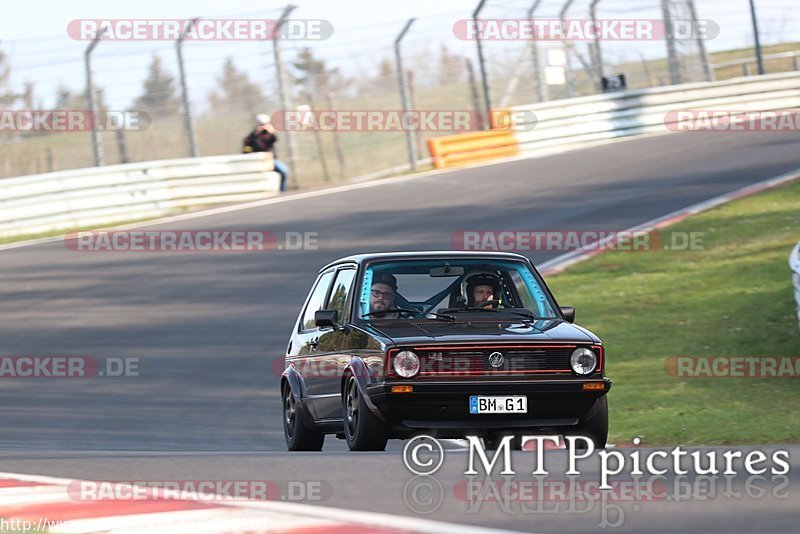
(325, 318)
(569, 313)
(437, 272)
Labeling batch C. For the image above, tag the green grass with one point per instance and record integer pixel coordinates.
(732, 299)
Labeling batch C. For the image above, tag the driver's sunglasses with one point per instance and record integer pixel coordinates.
(377, 293)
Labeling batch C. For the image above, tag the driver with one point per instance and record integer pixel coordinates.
(381, 297)
(482, 288)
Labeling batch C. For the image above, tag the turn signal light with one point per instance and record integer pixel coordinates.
(402, 389)
(594, 385)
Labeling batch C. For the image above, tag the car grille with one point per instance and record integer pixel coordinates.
(446, 362)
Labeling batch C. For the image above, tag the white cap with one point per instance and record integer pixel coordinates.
(262, 118)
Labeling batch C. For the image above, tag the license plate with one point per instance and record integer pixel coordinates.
(504, 404)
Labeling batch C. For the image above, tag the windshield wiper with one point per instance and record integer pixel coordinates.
(408, 310)
(526, 314)
(390, 310)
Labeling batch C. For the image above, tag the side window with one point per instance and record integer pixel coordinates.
(316, 301)
(340, 294)
(522, 291)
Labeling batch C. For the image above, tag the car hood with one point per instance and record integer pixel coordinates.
(403, 332)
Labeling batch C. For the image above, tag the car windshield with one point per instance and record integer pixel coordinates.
(447, 288)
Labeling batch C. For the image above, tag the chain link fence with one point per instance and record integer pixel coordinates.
(434, 66)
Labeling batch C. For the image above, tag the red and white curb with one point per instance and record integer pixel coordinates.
(558, 264)
(40, 503)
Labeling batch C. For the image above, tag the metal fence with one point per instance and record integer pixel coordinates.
(794, 264)
(421, 63)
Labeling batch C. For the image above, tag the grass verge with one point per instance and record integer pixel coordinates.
(732, 298)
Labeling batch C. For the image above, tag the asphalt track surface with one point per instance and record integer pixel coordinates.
(206, 327)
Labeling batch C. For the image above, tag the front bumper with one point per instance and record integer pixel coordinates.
(442, 407)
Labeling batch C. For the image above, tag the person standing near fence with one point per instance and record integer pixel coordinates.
(263, 139)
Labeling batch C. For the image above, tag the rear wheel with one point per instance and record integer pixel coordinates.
(362, 430)
(298, 437)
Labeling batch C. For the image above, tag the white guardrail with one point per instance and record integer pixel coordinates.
(794, 263)
(81, 198)
(584, 121)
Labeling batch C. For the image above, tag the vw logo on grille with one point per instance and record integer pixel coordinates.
(496, 359)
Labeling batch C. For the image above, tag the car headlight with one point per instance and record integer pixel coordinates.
(583, 361)
(406, 363)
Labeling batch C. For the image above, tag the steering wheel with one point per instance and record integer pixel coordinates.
(492, 303)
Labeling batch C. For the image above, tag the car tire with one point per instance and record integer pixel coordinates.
(362, 430)
(493, 439)
(595, 428)
(298, 436)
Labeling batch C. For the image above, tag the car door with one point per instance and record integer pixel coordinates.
(329, 357)
(308, 336)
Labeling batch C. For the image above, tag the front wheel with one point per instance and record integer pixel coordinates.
(298, 437)
(362, 430)
(493, 439)
(595, 428)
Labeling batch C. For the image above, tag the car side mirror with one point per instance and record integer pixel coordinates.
(323, 318)
(569, 313)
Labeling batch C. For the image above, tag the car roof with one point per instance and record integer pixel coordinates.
(444, 254)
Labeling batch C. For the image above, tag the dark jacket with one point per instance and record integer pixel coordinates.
(259, 142)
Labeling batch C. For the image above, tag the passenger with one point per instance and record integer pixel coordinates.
(384, 287)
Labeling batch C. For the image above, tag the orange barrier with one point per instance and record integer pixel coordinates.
(474, 147)
(500, 119)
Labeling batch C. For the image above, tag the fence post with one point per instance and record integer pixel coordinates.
(482, 63)
(794, 263)
(337, 145)
(537, 72)
(672, 54)
(401, 80)
(87, 58)
(122, 146)
(412, 98)
(567, 50)
(286, 102)
(318, 137)
(757, 36)
(187, 112)
(708, 72)
(473, 89)
(598, 53)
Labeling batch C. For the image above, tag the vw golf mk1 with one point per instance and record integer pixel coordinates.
(392, 345)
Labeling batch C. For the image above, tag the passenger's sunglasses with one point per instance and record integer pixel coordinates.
(377, 293)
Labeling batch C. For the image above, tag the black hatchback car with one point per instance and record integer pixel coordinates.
(449, 344)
